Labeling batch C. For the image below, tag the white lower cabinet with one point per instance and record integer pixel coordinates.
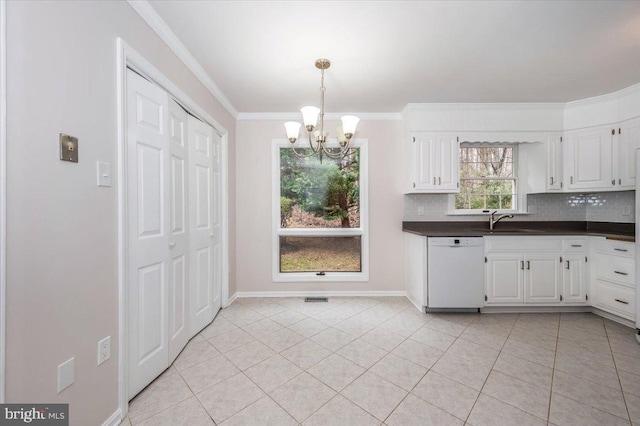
(542, 278)
(614, 272)
(504, 278)
(535, 270)
(575, 279)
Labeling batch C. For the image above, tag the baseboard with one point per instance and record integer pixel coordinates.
(114, 419)
(613, 317)
(415, 303)
(532, 309)
(243, 294)
(231, 300)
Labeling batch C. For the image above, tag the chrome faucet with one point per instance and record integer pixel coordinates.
(493, 221)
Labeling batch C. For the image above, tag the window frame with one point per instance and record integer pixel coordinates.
(362, 231)
(516, 195)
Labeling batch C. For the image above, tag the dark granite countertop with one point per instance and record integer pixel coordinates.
(611, 230)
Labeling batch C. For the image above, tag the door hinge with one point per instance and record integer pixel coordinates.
(561, 298)
(485, 297)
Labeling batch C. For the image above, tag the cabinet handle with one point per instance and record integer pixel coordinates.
(620, 273)
(576, 245)
(551, 180)
(613, 182)
(571, 180)
(522, 264)
(621, 301)
(528, 265)
(439, 181)
(434, 180)
(619, 249)
(568, 264)
(414, 184)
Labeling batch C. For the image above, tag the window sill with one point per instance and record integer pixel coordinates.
(330, 277)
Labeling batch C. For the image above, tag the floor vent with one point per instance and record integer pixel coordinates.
(316, 299)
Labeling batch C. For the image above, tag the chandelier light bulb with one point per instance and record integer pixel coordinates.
(310, 117)
(293, 130)
(349, 124)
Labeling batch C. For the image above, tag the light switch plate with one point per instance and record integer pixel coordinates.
(104, 173)
(68, 148)
(66, 374)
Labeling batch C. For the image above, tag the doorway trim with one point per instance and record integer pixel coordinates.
(3, 192)
(127, 57)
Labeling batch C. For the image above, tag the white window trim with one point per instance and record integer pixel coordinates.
(462, 212)
(362, 231)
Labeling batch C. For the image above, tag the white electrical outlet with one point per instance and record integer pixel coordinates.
(626, 211)
(104, 349)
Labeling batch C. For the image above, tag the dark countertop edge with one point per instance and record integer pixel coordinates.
(611, 230)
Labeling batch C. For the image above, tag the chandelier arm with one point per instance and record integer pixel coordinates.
(343, 152)
(314, 150)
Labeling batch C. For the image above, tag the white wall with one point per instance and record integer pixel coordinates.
(62, 271)
(253, 237)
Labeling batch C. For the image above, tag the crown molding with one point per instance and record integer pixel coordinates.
(483, 105)
(280, 116)
(157, 24)
(607, 97)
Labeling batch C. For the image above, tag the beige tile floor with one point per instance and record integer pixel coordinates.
(372, 361)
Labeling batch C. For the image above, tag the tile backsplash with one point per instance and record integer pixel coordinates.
(593, 207)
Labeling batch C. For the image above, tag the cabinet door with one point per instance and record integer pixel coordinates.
(574, 279)
(447, 162)
(587, 156)
(554, 163)
(626, 143)
(424, 162)
(542, 278)
(504, 278)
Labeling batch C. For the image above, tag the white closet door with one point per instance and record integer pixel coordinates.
(179, 232)
(148, 222)
(203, 253)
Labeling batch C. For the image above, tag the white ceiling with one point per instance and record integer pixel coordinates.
(386, 54)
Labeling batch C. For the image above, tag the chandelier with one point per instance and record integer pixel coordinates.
(313, 119)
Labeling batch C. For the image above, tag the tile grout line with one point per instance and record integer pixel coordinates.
(624, 398)
(553, 369)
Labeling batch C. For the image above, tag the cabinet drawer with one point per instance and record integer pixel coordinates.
(616, 299)
(618, 269)
(617, 248)
(574, 246)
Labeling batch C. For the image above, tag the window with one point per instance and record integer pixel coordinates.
(488, 177)
(320, 215)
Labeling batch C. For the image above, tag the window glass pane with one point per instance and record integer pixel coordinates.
(320, 254)
(487, 178)
(315, 194)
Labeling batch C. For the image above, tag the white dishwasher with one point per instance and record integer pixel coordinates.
(455, 277)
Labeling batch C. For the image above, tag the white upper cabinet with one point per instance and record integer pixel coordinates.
(625, 144)
(554, 162)
(588, 159)
(432, 162)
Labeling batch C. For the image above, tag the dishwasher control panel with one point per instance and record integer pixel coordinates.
(455, 241)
